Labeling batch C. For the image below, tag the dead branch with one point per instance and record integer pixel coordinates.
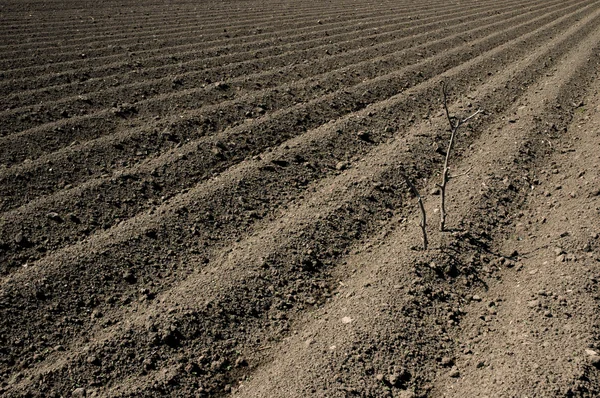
(461, 174)
(423, 223)
(455, 124)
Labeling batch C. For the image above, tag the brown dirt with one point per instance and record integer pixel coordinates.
(207, 199)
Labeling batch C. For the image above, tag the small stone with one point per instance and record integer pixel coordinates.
(124, 110)
(148, 364)
(241, 362)
(402, 374)
(192, 368)
(595, 361)
(533, 303)
(379, 377)
(561, 258)
(216, 365)
(447, 361)
(20, 239)
(217, 152)
(54, 216)
(79, 393)
(93, 360)
(341, 165)
(364, 135)
(548, 314)
(476, 298)
(129, 277)
(221, 85)
(346, 320)
(435, 191)
(454, 373)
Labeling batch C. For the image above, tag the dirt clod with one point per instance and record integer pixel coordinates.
(79, 392)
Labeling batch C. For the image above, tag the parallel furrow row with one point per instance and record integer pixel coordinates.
(215, 211)
(162, 17)
(260, 45)
(179, 167)
(292, 68)
(300, 101)
(224, 67)
(235, 31)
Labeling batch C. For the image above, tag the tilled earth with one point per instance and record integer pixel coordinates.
(210, 198)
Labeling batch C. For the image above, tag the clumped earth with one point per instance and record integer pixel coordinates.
(208, 199)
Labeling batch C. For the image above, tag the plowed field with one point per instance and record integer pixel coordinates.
(209, 198)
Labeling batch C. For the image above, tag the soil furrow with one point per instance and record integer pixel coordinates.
(187, 98)
(235, 32)
(189, 128)
(370, 199)
(231, 70)
(240, 15)
(195, 78)
(219, 54)
(535, 141)
(452, 301)
(145, 242)
(208, 22)
(192, 46)
(237, 219)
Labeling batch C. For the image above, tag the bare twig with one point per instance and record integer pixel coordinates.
(471, 117)
(423, 223)
(455, 124)
(461, 174)
(446, 105)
